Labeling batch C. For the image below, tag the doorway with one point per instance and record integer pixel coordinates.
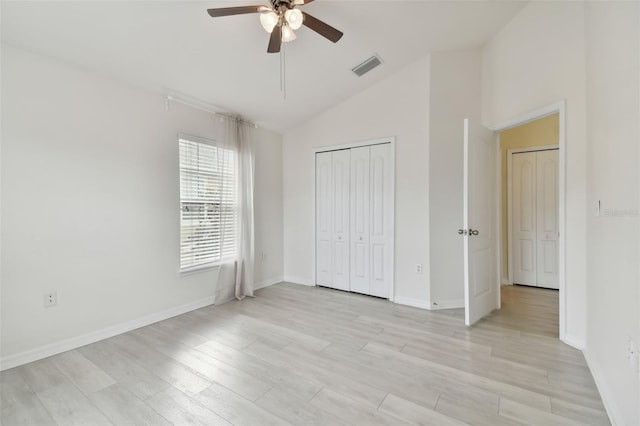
(529, 205)
(554, 118)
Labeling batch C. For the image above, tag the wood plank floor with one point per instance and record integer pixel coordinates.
(308, 355)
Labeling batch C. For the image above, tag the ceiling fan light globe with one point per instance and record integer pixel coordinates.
(294, 18)
(269, 20)
(287, 34)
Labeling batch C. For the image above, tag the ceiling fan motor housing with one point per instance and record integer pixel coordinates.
(283, 5)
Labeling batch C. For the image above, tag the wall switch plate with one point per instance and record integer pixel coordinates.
(418, 268)
(50, 299)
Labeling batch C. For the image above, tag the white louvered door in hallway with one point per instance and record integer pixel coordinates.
(354, 219)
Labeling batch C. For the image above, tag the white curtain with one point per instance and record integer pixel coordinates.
(235, 278)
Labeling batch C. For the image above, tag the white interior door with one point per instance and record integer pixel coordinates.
(323, 219)
(360, 219)
(340, 219)
(547, 218)
(481, 283)
(524, 218)
(381, 222)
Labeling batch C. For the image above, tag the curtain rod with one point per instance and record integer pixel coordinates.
(203, 106)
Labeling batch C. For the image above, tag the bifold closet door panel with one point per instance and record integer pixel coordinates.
(547, 218)
(340, 218)
(360, 219)
(324, 210)
(380, 220)
(524, 218)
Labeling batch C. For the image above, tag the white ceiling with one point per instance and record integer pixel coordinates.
(174, 46)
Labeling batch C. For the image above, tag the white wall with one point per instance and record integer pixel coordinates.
(613, 134)
(536, 60)
(397, 106)
(90, 205)
(267, 198)
(455, 83)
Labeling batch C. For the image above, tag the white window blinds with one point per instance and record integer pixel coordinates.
(207, 204)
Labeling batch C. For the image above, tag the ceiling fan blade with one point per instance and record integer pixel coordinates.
(228, 11)
(322, 28)
(276, 40)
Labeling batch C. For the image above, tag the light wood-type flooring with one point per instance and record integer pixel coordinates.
(308, 355)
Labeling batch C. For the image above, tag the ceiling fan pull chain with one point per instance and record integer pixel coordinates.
(283, 73)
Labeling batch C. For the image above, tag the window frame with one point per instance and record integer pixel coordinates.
(185, 270)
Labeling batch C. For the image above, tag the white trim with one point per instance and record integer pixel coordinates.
(267, 282)
(574, 342)
(227, 300)
(390, 139)
(510, 153)
(560, 109)
(429, 305)
(605, 392)
(416, 303)
(199, 268)
(298, 280)
(530, 116)
(92, 337)
(498, 222)
(447, 304)
(392, 159)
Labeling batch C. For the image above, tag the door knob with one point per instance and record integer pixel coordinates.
(473, 231)
(462, 231)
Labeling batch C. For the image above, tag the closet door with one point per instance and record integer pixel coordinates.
(547, 218)
(360, 213)
(324, 210)
(340, 218)
(524, 218)
(380, 227)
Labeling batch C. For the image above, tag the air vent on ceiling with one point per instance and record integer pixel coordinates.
(367, 66)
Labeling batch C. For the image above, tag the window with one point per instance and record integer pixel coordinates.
(207, 203)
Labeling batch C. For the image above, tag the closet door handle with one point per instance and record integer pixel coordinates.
(462, 231)
(473, 232)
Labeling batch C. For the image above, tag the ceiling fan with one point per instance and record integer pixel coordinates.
(281, 19)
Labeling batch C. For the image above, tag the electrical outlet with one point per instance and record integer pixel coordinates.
(50, 299)
(418, 268)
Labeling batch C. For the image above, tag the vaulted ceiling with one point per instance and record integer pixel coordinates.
(175, 47)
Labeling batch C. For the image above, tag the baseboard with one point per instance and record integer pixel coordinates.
(409, 301)
(605, 392)
(426, 304)
(298, 280)
(85, 339)
(573, 342)
(447, 304)
(267, 283)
